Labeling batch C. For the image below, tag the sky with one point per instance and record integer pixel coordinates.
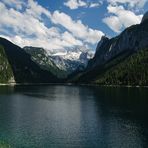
(67, 24)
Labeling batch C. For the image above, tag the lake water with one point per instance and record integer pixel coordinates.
(73, 116)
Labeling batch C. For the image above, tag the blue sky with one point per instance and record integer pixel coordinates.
(89, 16)
(61, 24)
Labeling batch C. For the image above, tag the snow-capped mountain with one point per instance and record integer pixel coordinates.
(71, 59)
(66, 61)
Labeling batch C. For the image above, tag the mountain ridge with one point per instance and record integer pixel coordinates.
(24, 69)
(119, 61)
(61, 63)
(111, 52)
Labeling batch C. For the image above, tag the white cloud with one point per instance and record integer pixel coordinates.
(74, 4)
(123, 13)
(131, 3)
(27, 27)
(120, 18)
(113, 23)
(92, 5)
(127, 17)
(26, 24)
(17, 4)
(95, 4)
(36, 10)
(21, 23)
(77, 28)
(70, 39)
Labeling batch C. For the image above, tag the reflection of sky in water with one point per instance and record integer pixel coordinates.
(62, 116)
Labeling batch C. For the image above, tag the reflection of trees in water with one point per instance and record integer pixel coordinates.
(6, 89)
(123, 97)
(123, 116)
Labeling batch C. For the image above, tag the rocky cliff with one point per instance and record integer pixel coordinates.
(129, 41)
(6, 73)
(111, 52)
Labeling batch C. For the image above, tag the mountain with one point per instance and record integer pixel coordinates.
(41, 57)
(36, 65)
(6, 73)
(71, 60)
(111, 54)
(122, 60)
(132, 71)
(61, 63)
(21, 67)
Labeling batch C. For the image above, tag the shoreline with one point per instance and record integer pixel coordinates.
(70, 84)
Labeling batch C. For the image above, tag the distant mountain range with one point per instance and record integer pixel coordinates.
(36, 65)
(122, 60)
(61, 63)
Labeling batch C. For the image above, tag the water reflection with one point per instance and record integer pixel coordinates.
(72, 116)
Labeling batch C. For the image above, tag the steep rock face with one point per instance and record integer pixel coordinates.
(41, 57)
(129, 41)
(84, 58)
(132, 71)
(101, 49)
(145, 17)
(6, 73)
(25, 70)
(111, 52)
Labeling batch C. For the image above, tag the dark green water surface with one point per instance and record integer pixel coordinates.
(73, 116)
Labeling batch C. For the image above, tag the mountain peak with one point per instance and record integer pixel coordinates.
(145, 17)
(102, 41)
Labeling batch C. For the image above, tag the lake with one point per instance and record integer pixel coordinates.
(73, 116)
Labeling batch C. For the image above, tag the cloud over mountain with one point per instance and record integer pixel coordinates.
(25, 25)
(68, 23)
(123, 13)
(121, 18)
